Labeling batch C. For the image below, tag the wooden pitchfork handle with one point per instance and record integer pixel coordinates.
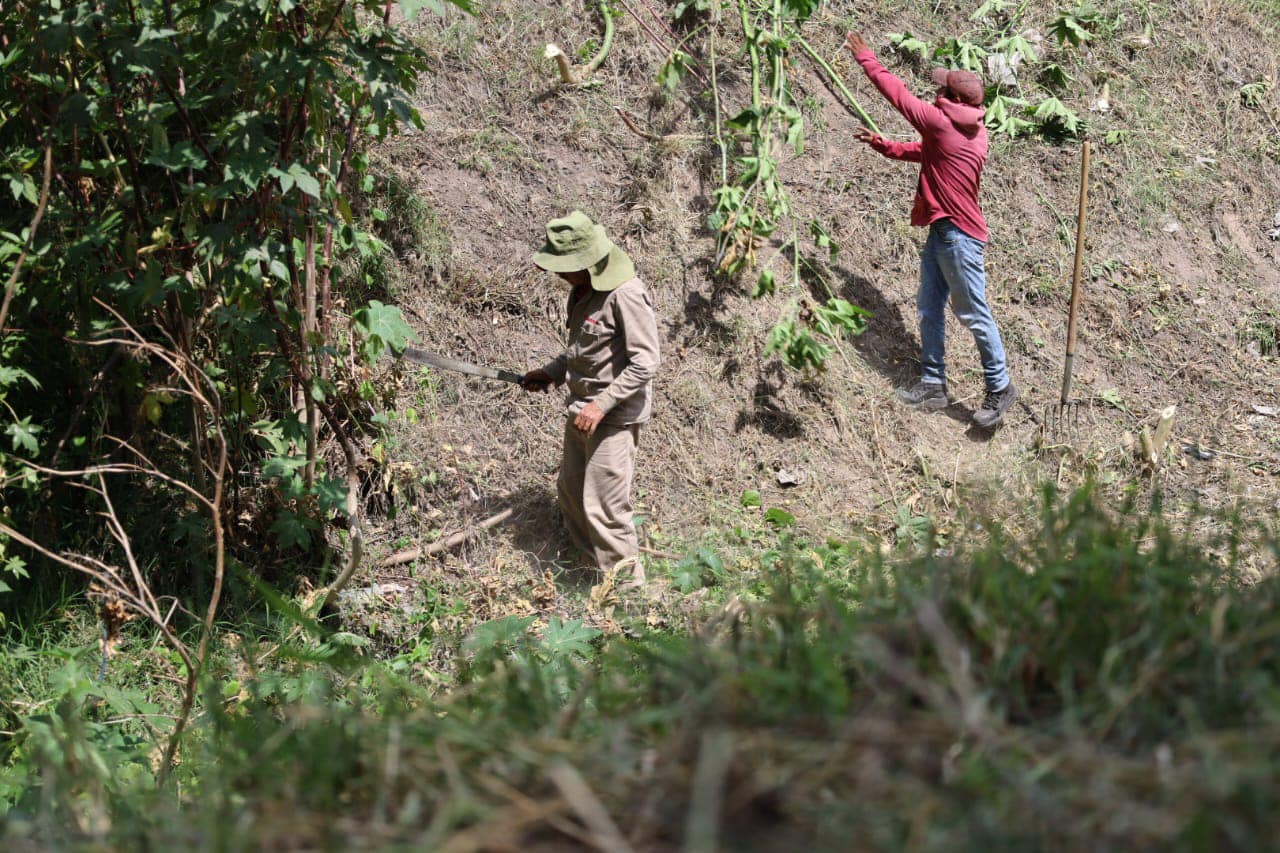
(1075, 275)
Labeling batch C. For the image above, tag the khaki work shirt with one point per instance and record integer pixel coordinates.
(612, 355)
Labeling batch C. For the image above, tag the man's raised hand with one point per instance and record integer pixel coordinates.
(856, 43)
(864, 135)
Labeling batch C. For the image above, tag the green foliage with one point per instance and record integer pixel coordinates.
(1253, 95)
(673, 70)
(908, 44)
(911, 528)
(568, 639)
(1005, 115)
(822, 239)
(766, 284)
(196, 196)
(779, 517)
(687, 9)
(989, 8)
(698, 569)
(839, 317)
(1056, 119)
(1076, 26)
(1000, 39)
(1058, 659)
(959, 53)
(412, 7)
(1017, 45)
(382, 328)
(1055, 75)
(797, 346)
(752, 202)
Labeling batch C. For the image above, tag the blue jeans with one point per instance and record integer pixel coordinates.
(951, 265)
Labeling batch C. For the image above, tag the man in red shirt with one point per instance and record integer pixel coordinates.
(951, 153)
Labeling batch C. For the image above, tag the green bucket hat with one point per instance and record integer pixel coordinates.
(576, 243)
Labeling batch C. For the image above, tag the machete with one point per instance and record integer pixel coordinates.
(421, 356)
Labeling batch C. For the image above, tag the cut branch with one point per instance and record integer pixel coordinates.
(411, 554)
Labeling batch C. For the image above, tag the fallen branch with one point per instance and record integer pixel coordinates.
(661, 555)
(411, 554)
(652, 137)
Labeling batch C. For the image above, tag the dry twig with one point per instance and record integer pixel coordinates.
(411, 554)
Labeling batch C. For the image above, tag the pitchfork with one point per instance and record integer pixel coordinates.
(1065, 419)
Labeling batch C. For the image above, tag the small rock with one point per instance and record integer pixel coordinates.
(1002, 68)
(791, 478)
(1103, 102)
(1269, 411)
(1171, 227)
(366, 596)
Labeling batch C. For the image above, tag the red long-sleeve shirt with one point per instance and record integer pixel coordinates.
(951, 152)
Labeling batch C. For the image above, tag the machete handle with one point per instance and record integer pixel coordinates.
(508, 376)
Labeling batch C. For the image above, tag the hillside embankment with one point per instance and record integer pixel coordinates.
(1181, 290)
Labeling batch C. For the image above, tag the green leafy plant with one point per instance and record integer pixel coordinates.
(960, 53)
(186, 178)
(1055, 119)
(563, 639)
(698, 569)
(911, 46)
(1005, 115)
(1075, 27)
(1017, 45)
(988, 9)
(779, 517)
(1253, 95)
(911, 528)
(797, 345)
(686, 9)
(673, 70)
(382, 328)
(1054, 74)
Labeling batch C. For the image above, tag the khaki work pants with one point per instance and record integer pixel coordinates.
(596, 472)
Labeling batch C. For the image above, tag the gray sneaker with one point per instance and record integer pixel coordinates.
(925, 395)
(991, 413)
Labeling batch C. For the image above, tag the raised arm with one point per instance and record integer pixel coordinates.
(920, 114)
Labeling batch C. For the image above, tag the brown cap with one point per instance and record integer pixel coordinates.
(965, 86)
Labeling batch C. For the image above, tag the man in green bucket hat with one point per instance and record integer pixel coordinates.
(609, 365)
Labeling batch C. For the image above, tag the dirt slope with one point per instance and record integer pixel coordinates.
(1182, 304)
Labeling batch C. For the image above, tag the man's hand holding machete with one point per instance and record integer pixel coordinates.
(586, 420)
(537, 380)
